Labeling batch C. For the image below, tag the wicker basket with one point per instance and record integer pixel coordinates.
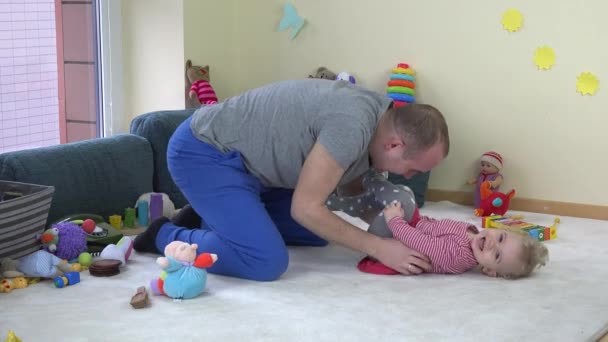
(24, 209)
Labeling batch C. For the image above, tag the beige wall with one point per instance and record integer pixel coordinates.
(153, 55)
(479, 75)
(209, 39)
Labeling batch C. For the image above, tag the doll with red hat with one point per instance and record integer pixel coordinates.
(490, 167)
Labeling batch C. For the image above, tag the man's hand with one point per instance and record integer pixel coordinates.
(402, 259)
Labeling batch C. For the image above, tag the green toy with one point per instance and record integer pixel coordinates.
(102, 235)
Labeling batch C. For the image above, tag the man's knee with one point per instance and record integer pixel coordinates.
(269, 266)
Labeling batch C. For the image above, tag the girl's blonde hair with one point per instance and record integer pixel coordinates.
(534, 255)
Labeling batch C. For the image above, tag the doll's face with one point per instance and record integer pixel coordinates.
(487, 168)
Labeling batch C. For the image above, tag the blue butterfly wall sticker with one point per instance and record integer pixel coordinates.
(291, 19)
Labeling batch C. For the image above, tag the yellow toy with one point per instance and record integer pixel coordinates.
(12, 337)
(540, 233)
(8, 284)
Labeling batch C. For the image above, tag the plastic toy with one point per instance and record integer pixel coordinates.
(142, 212)
(103, 233)
(168, 208)
(116, 221)
(539, 232)
(130, 217)
(68, 279)
(184, 275)
(401, 86)
(156, 206)
(489, 170)
(493, 202)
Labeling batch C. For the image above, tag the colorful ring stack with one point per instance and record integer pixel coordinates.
(401, 86)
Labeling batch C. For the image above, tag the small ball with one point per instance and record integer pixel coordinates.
(88, 226)
(85, 259)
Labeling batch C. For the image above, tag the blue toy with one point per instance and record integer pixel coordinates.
(184, 273)
(68, 279)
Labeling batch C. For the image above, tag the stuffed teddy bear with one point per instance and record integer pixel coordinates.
(200, 90)
(324, 73)
(184, 275)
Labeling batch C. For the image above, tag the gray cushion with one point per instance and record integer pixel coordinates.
(100, 176)
(158, 127)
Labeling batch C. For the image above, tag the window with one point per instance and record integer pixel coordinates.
(49, 73)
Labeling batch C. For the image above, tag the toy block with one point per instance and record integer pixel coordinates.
(116, 221)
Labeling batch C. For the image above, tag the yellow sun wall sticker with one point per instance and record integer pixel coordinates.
(512, 20)
(544, 57)
(587, 83)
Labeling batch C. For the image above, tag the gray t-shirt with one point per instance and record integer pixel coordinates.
(275, 127)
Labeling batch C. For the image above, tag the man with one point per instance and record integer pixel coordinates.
(259, 167)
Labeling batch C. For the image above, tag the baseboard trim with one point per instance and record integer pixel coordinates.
(527, 204)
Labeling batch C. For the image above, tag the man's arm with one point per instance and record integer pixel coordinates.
(319, 176)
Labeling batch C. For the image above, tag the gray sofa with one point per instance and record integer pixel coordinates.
(106, 175)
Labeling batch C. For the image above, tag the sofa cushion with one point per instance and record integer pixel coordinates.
(99, 176)
(158, 127)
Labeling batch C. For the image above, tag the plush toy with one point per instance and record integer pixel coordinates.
(493, 202)
(8, 268)
(344, 76)
(184, 275)
(200, 90)
(7, 285)
(490, 167)
(324, 73)
(44, 265)
(66, 240)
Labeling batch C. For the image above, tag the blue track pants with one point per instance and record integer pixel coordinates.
(247, 225)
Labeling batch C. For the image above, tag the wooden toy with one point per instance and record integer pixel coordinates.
(539, 232)
(116, 221)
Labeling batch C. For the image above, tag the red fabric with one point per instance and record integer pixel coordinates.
(368, 265)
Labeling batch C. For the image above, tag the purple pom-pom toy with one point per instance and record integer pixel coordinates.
(66, 240)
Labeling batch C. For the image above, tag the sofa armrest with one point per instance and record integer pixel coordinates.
(157, 128)
(99, 176)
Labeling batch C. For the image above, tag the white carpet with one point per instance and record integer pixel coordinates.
(323, 297)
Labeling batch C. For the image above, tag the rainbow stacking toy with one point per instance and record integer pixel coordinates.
(401, 86)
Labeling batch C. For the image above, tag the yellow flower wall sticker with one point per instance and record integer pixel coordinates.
(587, 83)
(544, 57)
(512, 20)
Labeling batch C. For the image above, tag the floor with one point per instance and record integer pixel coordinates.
(323, 297)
